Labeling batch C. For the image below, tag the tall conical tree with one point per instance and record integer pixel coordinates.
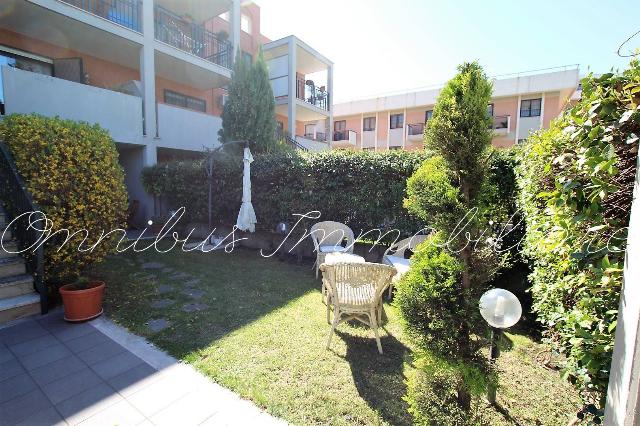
(249, 113)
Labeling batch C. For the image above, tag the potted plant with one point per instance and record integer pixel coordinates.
(82, 299)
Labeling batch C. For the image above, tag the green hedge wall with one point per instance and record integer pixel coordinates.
(576, 181)
(362, 189)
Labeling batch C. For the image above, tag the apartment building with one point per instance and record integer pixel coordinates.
(152, 72)
(521, 103)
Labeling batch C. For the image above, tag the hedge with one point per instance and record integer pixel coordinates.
(362, 189)
(71, 169)
(576, 181)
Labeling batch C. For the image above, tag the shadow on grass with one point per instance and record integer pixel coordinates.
(378, 377)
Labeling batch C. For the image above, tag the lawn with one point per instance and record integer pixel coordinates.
(257, 326)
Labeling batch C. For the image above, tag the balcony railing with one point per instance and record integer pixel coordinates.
(345, 135)
(308, 92)
(192, 38)
(500, 122)
(127, 13)
(415, 129)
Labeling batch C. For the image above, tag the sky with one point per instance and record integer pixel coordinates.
(384, 46)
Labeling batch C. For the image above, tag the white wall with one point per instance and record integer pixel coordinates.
(27, 92)
(527, 125)
(395, 137)
(181, 128)
(368, 139)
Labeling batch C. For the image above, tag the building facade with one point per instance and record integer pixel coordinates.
(152, 72)
(521, 103)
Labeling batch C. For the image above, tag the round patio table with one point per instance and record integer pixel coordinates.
(338, 257)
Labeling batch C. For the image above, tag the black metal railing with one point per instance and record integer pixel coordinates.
(343, 135)
(318, 136)
(415, 129)
(286, 137)
(192, 38)
(500, 122)
(308, 92)
(127, 13)
(29, 219)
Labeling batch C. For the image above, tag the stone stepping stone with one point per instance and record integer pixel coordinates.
(193, 307)
(164, 289)
(153, 265)
(193, 293)
(192, 283)
(162, 303)
(158, 324)
(180, 276)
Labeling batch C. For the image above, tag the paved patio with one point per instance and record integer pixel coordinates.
(53, 372)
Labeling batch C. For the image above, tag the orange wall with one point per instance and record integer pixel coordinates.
(352, 123)
(552, 108)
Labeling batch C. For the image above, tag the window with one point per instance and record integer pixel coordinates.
(395, 148)
(225, 16)
(247, 57)
(490, 110)
(396, 121)
(245, 24)
(427, 115)
(184, 101)
(339, 126)
(369, 124)
(309, 130)
(530, 107)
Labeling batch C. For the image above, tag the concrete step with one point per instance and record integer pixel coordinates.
(11, 248)
(21, 306)
(16, 285)
(6, 236)
(10, 266)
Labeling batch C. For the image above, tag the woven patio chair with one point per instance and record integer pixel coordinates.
(355, 292)
(328, 237)
(395, 256)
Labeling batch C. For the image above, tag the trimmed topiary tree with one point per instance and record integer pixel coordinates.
(71, 169)
(450, 192)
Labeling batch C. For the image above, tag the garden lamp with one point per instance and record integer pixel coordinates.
(501, 309)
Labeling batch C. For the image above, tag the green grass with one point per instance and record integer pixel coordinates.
(263, 335)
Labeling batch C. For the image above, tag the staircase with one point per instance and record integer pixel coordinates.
(17, 295)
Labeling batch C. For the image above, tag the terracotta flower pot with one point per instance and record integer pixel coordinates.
(82, 304)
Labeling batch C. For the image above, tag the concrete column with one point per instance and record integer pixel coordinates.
(291, 105)
(148, 70)
(623, 399)
(375, 140)
(405, 128)
(518, 118)
(330, 101)
(542, 102)
(234, 23)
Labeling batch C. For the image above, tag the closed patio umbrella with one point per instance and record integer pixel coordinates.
(246, 216)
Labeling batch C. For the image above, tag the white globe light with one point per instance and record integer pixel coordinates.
(500, 308)
(150, 222)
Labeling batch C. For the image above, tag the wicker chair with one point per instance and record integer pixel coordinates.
(394, 256)
(355, 291)
(327, 237)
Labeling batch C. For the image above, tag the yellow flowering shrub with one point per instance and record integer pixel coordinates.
(71, 169)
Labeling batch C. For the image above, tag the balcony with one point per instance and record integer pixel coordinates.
(415, 132)
(28, 92)
(308, 92)
(127, 13)
(181, 128)
(192, 38)
(345, 137)
(500, 124)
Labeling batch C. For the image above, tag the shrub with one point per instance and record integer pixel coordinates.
(363, 190)
(71, 169)
(433, 389)
(576, 182)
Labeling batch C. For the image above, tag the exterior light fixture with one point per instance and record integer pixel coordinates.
(501, 309)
